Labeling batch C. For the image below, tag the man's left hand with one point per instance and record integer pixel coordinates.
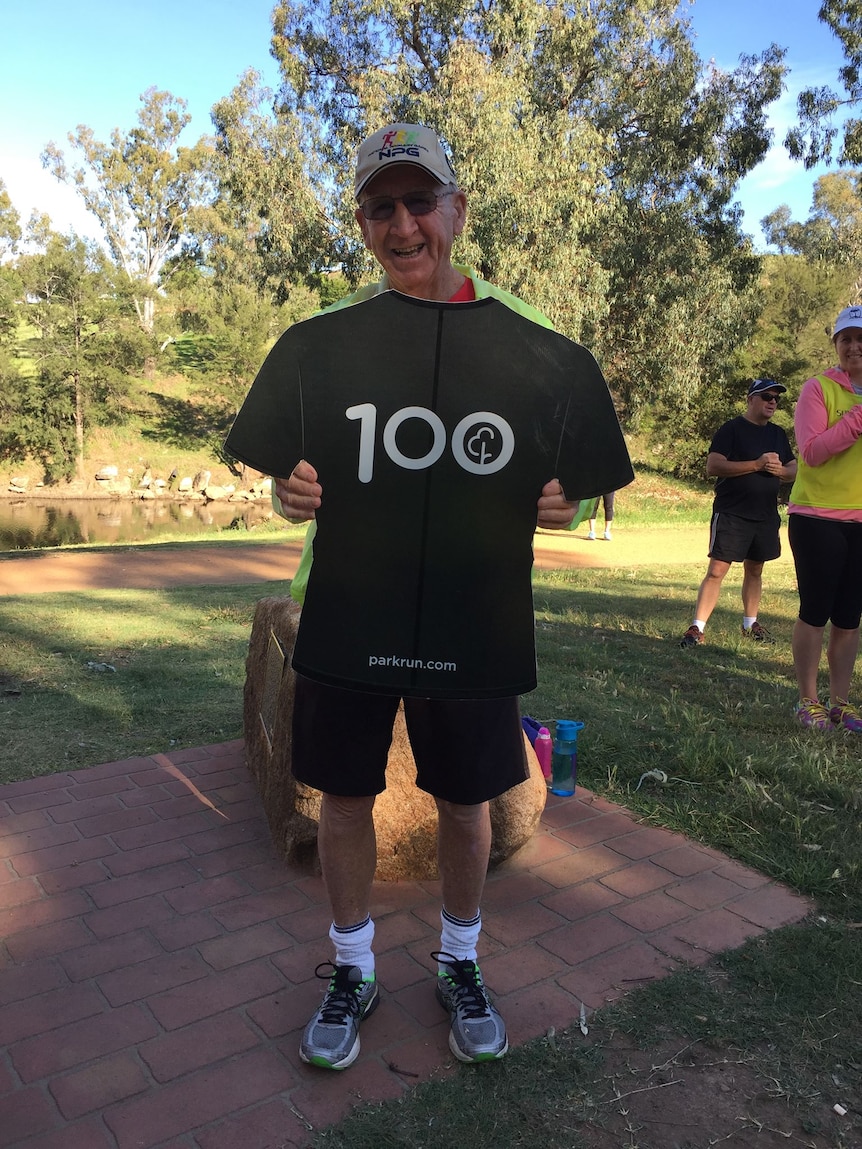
(555, 512)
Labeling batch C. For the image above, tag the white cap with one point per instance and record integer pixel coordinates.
(402, 144)
(849, 317)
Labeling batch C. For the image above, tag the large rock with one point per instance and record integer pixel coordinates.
(405, 817)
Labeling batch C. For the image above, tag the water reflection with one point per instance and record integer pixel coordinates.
(26, 524)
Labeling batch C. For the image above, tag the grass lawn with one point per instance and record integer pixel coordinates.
(95, 677)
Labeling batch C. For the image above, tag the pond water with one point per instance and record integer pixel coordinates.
(26, 524)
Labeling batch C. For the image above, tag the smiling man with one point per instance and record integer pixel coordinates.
(441, 420)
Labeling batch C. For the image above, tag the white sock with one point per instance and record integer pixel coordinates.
(748, 622)
(353, 946)
(459, 937)
(701, 626)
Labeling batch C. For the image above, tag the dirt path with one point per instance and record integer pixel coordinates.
(202, 565)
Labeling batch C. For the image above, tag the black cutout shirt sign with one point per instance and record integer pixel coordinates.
(433, 428)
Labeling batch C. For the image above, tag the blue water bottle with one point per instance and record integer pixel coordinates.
(564, 760)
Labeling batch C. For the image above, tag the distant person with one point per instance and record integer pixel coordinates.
(749, 458)
(825, 530)
(607, 502)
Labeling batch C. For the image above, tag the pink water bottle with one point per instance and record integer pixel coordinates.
(544, 747)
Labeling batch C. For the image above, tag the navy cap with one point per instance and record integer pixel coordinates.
(758, 385)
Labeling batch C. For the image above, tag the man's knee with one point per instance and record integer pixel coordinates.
(466, 817)
(342, 810)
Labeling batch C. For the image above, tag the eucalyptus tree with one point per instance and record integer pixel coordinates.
(816, 136)
(141, 187)
(85, 343)
(599, 153)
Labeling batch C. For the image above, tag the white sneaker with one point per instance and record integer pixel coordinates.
(591, 535)
(608, 535)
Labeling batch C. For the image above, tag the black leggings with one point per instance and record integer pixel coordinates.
(608, 504)
(828, 558)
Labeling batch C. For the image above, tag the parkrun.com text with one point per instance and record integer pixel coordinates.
(410, 663)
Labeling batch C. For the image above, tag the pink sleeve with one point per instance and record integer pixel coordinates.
(817, 441)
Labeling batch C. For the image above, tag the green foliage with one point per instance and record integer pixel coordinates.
(141, 187)
(815, 137)
(599, 154)
(801, 298)
(85, 345)
(269, 227)
(10, 223)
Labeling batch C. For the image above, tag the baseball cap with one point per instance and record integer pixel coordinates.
(849, 317)
(402, 144)
(759, 385)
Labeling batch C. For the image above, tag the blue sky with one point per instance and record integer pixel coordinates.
(62, 65)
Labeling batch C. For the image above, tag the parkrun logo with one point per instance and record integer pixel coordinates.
(482, 443)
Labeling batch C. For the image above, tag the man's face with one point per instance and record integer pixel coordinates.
(415, 251)
(762, 407)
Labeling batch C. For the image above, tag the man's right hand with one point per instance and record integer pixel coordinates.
(300, 494)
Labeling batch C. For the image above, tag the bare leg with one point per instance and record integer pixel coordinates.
(807, 645)
(710, 588)
(347, 846)
(463, 849)
(841, 656)
(752, 587)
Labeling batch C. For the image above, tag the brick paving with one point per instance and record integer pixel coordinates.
(157, 959)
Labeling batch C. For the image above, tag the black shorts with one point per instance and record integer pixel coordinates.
(828, 559)
(733, 539)
(465, 752)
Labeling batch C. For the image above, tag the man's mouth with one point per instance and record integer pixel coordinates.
(407, 252)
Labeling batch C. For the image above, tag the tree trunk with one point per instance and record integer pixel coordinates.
(79, 428)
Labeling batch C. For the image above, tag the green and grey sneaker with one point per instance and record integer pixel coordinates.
(477, 1033)
(331, 1038)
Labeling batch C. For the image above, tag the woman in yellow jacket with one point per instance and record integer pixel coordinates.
(825, 530)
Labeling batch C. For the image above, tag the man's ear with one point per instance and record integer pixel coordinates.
(459, 201)
(363, 227)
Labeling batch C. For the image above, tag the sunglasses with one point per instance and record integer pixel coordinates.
(382, 207)
(770, 397)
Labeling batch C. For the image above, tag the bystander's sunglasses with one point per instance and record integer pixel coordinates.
(771, 397)
(381, 207)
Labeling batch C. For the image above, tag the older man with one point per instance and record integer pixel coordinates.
(468, 749)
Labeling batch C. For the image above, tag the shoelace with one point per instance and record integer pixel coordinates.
(468, 990)
(813, 708)
(341, 1000)
(845, 710)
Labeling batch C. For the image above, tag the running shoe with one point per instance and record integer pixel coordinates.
(607, 535)
(813, 714)
(846, 716)
(757, 632)
(591, 535)
(692, 637)
(331, 1038)
(478, 1032)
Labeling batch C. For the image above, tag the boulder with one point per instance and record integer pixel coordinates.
(405, 817)
(106, 474)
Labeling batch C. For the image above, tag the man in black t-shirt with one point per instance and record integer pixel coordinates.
(426, 424)
(749, 458)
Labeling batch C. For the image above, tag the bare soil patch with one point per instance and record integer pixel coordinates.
(150, 567)
(683, 1095)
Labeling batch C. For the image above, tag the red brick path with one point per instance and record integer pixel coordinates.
(157, 959)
